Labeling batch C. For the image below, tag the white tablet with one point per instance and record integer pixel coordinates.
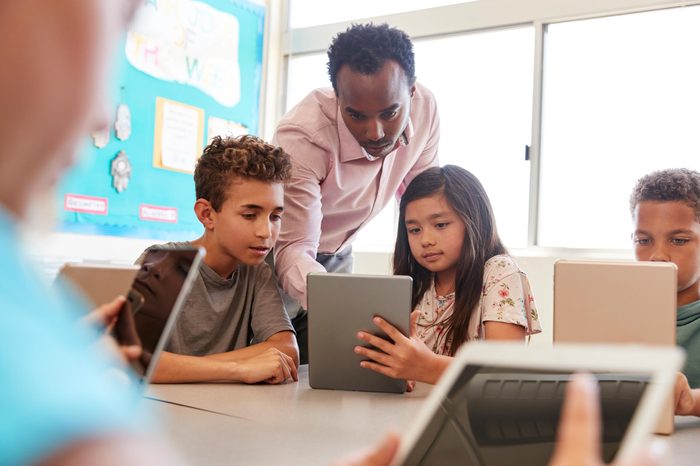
(499, 403)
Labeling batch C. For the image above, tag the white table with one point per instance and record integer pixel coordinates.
(293, 424)
(278, 424)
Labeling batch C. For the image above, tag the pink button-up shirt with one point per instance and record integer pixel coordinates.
(336, 188)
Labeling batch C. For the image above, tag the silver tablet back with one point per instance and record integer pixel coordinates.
(340, 305)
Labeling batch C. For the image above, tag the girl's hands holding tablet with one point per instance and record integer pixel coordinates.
(401, 357)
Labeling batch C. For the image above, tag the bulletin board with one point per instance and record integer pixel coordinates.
(187, 70)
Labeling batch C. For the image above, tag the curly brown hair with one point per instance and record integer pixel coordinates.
(247, 157)
(674, 184)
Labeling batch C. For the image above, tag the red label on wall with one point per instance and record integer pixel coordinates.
(154, 213)
(85, 204)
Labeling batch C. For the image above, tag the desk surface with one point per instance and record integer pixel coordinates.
(293, 424)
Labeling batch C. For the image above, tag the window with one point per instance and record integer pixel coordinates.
(305, 13)
(621, 99)
(304, 74)
(483, 86)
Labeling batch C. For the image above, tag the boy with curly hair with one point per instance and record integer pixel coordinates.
(234, 326)
(665, 208)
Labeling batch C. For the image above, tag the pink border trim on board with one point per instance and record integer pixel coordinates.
(103, 200)
(157, 208)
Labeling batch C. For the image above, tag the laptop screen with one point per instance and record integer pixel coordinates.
(153, 299)
(496, 416)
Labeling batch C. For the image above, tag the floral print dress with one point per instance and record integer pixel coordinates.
(506, 296)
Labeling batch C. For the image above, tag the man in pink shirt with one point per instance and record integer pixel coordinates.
(354, 148)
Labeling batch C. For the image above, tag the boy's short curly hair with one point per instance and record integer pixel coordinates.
(366, 47)
(674, 184)
(247, 157)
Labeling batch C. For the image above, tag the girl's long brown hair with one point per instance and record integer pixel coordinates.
(467, 197)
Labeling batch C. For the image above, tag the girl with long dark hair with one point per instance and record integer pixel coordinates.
(465, 285)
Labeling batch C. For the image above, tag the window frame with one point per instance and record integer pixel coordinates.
(448, 20)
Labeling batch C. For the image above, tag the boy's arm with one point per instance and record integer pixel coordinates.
(282, 341)
(270, 366)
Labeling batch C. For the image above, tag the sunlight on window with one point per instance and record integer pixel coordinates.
(483, 86)
(621, 99)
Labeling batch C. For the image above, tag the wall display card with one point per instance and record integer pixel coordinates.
(156, 213)
(178, 135)
(85, 204)
(224, 128)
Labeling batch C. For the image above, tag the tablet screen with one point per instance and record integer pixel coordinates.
(152, 299)
(496, 416)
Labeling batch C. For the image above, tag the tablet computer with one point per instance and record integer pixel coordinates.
(616, 302)
(499, 403)
(156, 297)
(98, 282)
(340, 305)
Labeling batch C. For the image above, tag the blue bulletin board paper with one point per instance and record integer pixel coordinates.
(89, 204)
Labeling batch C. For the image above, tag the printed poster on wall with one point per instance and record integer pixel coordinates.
(177, 142)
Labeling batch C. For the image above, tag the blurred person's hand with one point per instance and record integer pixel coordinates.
(379, 455)
(108, 316)
(579, 433)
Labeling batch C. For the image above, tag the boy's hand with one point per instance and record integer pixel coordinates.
(685, 398)
(271, 366)
(381, 455)
(402, 357)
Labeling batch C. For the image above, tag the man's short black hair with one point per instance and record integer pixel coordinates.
(366, 47)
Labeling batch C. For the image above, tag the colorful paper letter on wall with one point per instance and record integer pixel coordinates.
(188, 42)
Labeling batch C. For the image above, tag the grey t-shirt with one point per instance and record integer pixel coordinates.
(223, 314)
